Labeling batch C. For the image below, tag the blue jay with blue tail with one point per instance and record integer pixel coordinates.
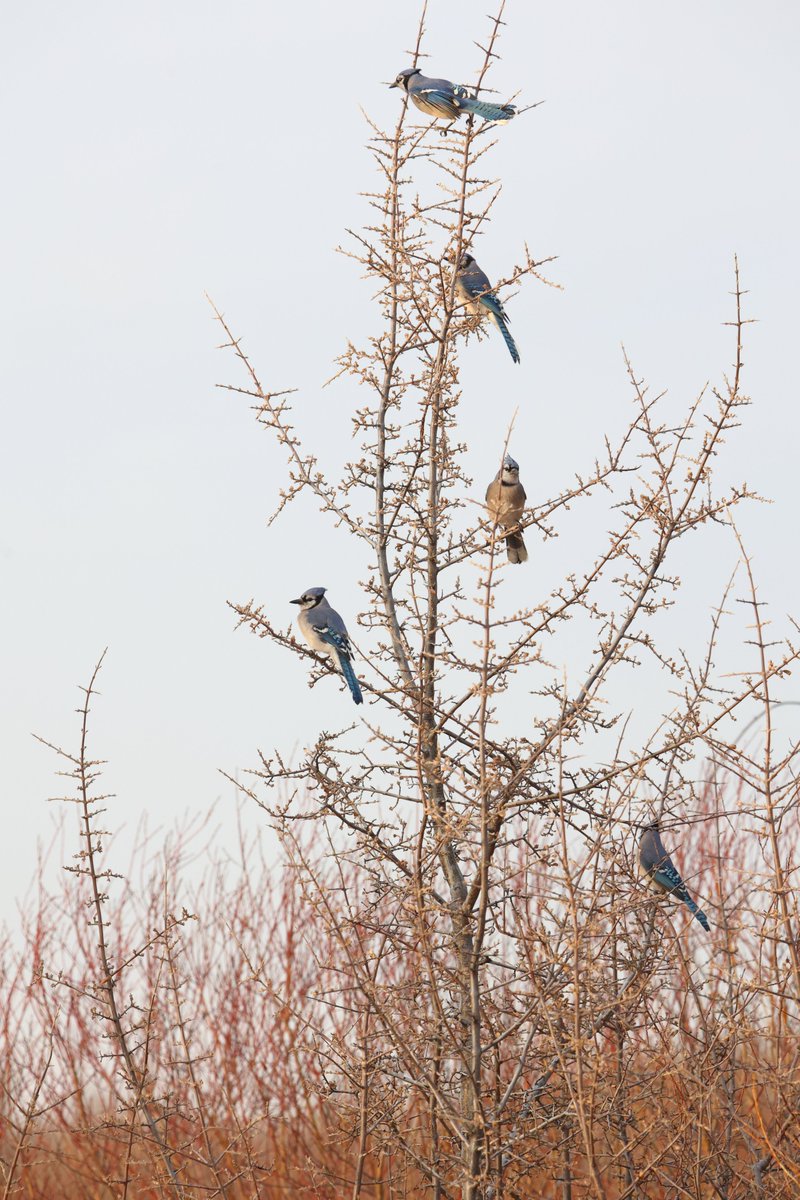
(441, 98)
(473, 287)
(324, 631)
(664, 876)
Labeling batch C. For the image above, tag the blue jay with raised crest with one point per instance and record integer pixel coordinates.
(505, 501)
(473, 287)
(325, 632)
(661, 871)
(441, 98)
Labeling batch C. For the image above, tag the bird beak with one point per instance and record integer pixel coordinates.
(395, 84)
(295, 601)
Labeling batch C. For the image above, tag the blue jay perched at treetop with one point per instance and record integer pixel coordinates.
(662, 872)
(473, 287)
(441, 98)
(324, 631)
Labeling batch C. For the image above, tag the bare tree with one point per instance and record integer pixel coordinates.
(497, 935)
(454, 984)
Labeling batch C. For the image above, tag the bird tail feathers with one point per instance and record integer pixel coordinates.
(696, 912)
(499, 321)
(488, 111)
(515, 548)
(350, 679)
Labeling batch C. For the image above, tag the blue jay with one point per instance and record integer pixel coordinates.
(441, 98)
(473, 287)
(324, 631)
(662, 872)
(505, 501)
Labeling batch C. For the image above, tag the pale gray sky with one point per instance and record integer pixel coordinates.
(154, 151)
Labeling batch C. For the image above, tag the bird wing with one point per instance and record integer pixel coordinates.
(490, 302)
(331, 628)
(335, 638)
(440, 99)
(666, 875)
(475, 282)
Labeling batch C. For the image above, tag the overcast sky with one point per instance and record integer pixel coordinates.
(156, 151)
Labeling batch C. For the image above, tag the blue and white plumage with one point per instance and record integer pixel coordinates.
(662, 873)
(473, 287)
(441, 98)
(325, 632)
